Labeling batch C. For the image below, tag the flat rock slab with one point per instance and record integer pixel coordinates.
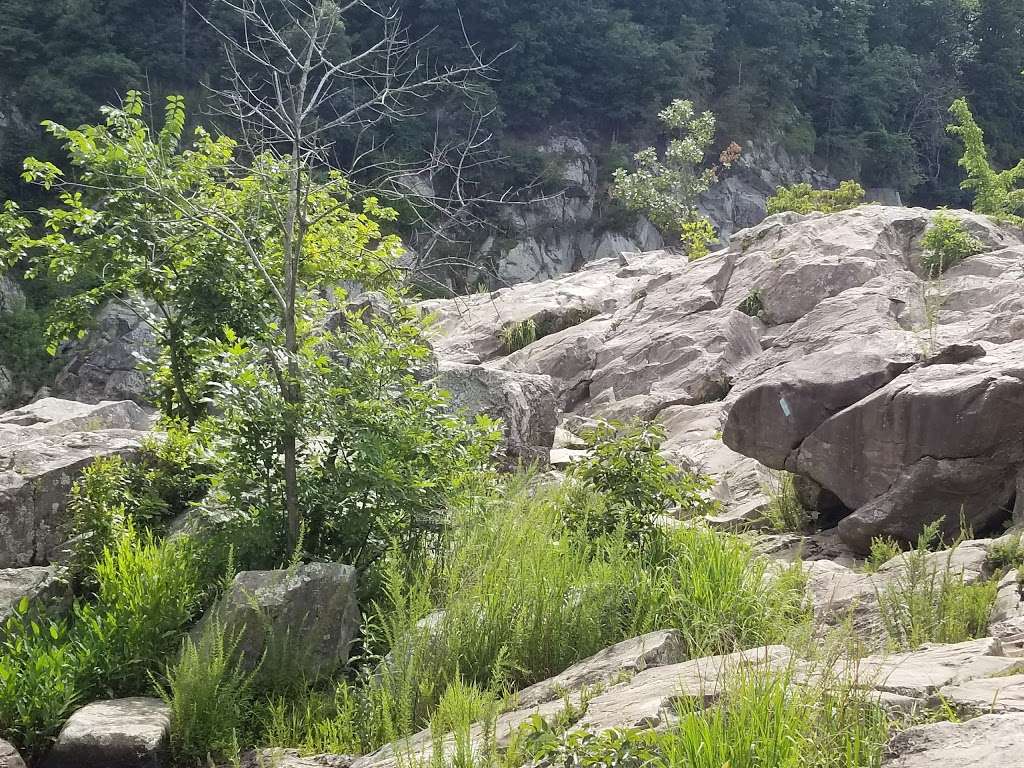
(988, 695)
(121, 733)
(990, 741)
(629, 657)
(645, 700)
(921, 673)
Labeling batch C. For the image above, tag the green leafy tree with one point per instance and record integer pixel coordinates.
(803, 198)
(667, 189)
(946, 244)
(996, 193)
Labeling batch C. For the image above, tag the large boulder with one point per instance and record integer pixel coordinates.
(310, 612)
(9, 757)
(122, 733)
(43, 448)
(41, 585)
(524, 403)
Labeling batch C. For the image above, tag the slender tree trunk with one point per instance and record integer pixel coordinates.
(292, 394)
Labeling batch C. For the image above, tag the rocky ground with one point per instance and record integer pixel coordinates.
(811, 344)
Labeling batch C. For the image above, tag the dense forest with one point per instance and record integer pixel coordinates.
(864, 85)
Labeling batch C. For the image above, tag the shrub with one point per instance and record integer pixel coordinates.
(930, 603)
(883, 549)
(802, 198)
(784, 513)
(1006, 555)
(210, 695)
(516, 336)
(946, 244)
(632, 484)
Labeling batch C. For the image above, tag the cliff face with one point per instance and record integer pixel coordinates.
(563, 232)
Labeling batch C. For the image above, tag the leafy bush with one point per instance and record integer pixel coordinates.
(631, 484)
(802, 198)
(23, 349)
(1006, 555)
(930, 603)
(946, 244)
(883, 549)
(209, 694)
(146, 593)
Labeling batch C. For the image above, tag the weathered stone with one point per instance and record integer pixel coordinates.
(1008, 604)
(9, 757)
(43, 448)
(122, 733)
(921, 673)
(654, 649)
(39, 584)
(985, 695)
(990, 741)
(311, 611)
(525, 404)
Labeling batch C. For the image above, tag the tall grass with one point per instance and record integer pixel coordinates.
(928, 602)
(514, 597)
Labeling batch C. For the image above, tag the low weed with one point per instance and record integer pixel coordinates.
(928, 601)
(1006, 556)
(519, 335)
(784, 512)
(883, 549)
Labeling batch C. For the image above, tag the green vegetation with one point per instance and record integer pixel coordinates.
(666, 189)
(996, 193)
(784, 512)
(802, 198)
(753, 304)
(883, 549)
(928, 601)
(946, 244)
(1006, 555)
(516, 336)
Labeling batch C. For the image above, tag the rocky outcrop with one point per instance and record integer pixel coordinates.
(524, 403)
(821, 349)
(41, 585)
(104, 365)
(310, 612)
(991, 741)
(43, 448)
(122, 733)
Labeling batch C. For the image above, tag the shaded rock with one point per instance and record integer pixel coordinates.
(9, 757)
(654, 649)
(43, 448)
(310, 612)
(1008, 604)
(1010, 633)
(40, 584)
(524, 403)
(105, 364)
(990, 741)
(122, 733)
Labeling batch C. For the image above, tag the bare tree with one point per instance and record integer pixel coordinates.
(294, 84)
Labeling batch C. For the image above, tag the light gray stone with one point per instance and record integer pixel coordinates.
(524, 403)
(985, 695)
(121, 733)
(311, 611)
(990, 741)
(9, 757)
(41, 585)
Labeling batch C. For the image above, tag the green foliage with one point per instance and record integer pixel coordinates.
(146, 593)
(22, 350)
(753, 304)
(996, 193)
(946, 244)
(802, 198)
(667, 189)
(883, 549)
(516, 336)
(928, 601)
(149, 491)
(629, 484)
(784, 513)
(517, 597)
(383, 456)
(210, 695)
(1006, 555)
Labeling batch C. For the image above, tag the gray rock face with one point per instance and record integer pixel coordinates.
(9, 757)
(310, 611)
(39, 584)
(122, 733)
(525, 403)
(105, 364)
(43, 448)
(991, 741)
